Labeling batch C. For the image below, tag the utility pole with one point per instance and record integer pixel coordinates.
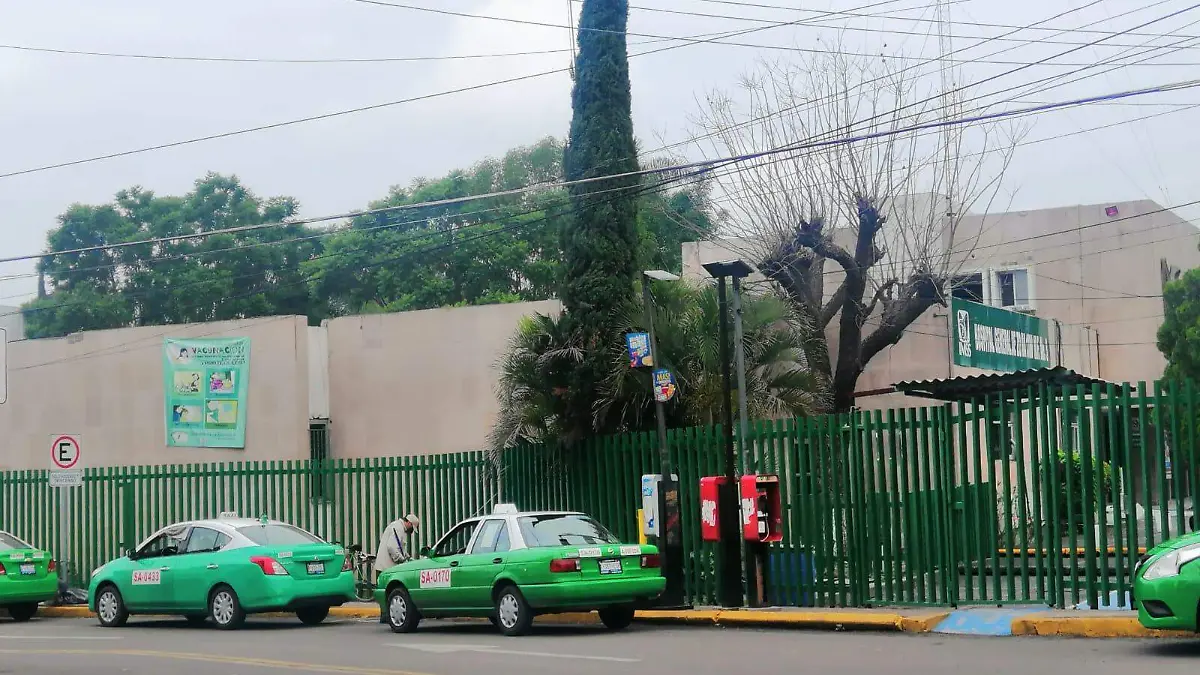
(752, 554)
(946, 46)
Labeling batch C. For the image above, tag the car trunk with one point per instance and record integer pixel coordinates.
(310, 561)
(25, 564)
(611, 561)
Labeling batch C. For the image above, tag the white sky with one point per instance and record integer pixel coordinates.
(57, 108)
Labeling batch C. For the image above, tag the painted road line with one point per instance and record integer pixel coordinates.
(212, 658)
(57, 638)
(451, 648)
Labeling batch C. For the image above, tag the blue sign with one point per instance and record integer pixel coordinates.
(664, 385)
(639, 350)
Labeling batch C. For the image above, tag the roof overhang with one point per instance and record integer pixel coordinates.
(975, 387)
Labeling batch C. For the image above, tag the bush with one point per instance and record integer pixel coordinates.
(1077, 494)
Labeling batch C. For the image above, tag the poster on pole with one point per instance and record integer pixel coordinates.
(206, 382)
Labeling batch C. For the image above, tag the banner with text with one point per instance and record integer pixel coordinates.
(206, 383)
(997, 339)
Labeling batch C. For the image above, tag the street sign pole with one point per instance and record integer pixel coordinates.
(66, 472)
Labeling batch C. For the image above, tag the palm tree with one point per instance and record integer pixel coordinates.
(535, 369)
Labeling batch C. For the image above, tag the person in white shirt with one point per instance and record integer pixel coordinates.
(392, 548)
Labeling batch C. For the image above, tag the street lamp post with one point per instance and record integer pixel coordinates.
(731, 589)
(670, 528)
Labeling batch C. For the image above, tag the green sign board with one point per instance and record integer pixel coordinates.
(997, 339)
(206, 384)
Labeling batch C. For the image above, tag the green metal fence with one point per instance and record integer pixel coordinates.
(1042, 495)
(347, 501)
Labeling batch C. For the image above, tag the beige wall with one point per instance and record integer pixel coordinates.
(418, 382)
(108, 387)
(1087, 267)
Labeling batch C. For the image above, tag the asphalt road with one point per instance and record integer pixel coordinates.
(80, 647)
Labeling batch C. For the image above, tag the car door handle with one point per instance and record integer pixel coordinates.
(212, 567)
(454, 563)
(497, 561)
(164, 569)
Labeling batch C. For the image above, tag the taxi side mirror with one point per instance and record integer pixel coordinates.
(426, 552)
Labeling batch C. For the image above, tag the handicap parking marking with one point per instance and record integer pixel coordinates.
(451, 648)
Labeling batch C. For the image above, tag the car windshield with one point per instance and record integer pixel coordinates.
(275, 534)
(9, 542)
(563, 530)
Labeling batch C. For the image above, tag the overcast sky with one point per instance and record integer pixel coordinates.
(57, 108)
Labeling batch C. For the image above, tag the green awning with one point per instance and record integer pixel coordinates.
(974, 387)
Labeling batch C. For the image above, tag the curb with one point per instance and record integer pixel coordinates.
(1090, 627)
(832, 620)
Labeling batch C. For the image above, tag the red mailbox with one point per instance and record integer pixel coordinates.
(762, 514)
(710, 511)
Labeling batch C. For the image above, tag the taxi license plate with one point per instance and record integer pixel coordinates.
(610, 566)
(28, 569)
(316, 568)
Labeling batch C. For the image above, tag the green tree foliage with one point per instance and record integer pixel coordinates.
(537, 370)
(1074, 499)
(600, 248)
(1179, 334)
(227, 276)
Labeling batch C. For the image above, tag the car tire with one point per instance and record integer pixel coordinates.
(402, 615)
(616, 618)
(196, 620)
(514, 616)
(225, 609)
(24, 612)
(110, 607)
(311, 616)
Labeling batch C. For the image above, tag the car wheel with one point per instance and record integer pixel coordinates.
(616, 618)
(513, 614)
(311, 616)
(196, 620)
(110, 607)
(402, 616)
(225, 609)
(23, 613)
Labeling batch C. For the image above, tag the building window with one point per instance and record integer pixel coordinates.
(1012, 290)
(1001, 441)
(319, 464)
(968, 287)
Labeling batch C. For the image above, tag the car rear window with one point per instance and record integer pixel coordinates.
(278, 535)
(9, 542)
(563, 530)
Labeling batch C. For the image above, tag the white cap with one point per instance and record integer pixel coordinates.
(414, 521)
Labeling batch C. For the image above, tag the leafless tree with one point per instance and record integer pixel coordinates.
(866, 232)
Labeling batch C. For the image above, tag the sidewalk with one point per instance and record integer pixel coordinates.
(1016, 621)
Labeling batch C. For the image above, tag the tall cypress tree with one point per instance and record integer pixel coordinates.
(600, 245)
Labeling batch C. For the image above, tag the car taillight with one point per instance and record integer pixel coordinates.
(52, 566)
(564, 565)
(650, 560)
(269, 566)
(2, 572)
(348, 565)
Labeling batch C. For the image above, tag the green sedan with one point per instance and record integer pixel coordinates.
(223, 570)
(1167, 584)
(27, 577)
(511, 566)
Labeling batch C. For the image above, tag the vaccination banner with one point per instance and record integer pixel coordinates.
(206, 382)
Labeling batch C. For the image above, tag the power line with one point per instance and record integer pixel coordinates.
(699, 166)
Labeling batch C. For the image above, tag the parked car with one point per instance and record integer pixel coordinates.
(1166, 584)
(27, 577)
(511, 566)
(223, 570)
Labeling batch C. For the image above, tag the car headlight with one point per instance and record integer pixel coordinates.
(1169, 563)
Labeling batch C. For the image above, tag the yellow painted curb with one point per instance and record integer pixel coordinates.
(834, 620)
(1089, 627)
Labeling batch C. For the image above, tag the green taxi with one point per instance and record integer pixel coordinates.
(511, 566)
(27, 577)
(223, 570)
(1166, 584)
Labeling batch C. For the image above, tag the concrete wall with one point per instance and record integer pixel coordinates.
(1096, 274)
(108, 387)
(12, 322)
(418, 382)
